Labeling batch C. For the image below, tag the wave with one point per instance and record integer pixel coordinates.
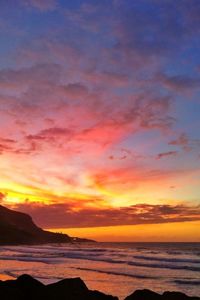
(102, 259)
(54, 258)
(55, 250)
(55, 255)
(116, 273)
(32, 259)
(165, 266)
(188, 282)
(189, 260)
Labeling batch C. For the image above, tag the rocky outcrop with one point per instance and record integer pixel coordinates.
(150, 295)
(28, 288)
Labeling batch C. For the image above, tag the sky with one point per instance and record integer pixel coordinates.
(99, 116)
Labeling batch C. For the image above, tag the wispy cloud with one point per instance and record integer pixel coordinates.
(166, 154)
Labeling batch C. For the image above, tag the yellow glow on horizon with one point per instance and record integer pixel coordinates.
(100, 197)
(166, 232)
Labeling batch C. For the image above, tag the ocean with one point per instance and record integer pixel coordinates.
(113, 268)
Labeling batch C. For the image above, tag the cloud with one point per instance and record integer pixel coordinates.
(166, 154)
(6, 145)
(42, 5)
(75, 90)
(2, 197)
(7, 141)
(182, 140)
(79, 111)
(11, 146)
(66, 216)
(179, 83)
(18, 81)
(107, 76)
(50, 134)
(185, 142)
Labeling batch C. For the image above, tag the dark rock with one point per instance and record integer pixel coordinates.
(28, 283)
(72, 288)
(177, 296)
(96, 295)
(144, 295)
(149, 295)
(28, 288)
(24, 287)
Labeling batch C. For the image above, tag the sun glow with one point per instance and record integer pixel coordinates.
(169, 232)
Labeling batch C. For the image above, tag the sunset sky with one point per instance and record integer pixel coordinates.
(100, 116)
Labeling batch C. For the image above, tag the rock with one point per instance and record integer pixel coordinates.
(96, 295)
(24, 287)
(72, 288)
(28, 284)
(149, 295)
(28, 288)
(177, 296)
(144, 295)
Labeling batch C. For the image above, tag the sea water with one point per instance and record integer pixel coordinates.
(113, 268)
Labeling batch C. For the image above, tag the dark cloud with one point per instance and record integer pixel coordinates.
(24, 77)
(6, 140)
(50, 133)
(179, 83)
(4, 148)
(182, 140)
(166, 154)
(75, 90)
(67, 216)
(185, 142)
(12, 146)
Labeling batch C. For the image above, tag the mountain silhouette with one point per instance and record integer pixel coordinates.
(19, 228)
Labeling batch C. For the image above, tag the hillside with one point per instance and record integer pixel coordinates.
(19, 228)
